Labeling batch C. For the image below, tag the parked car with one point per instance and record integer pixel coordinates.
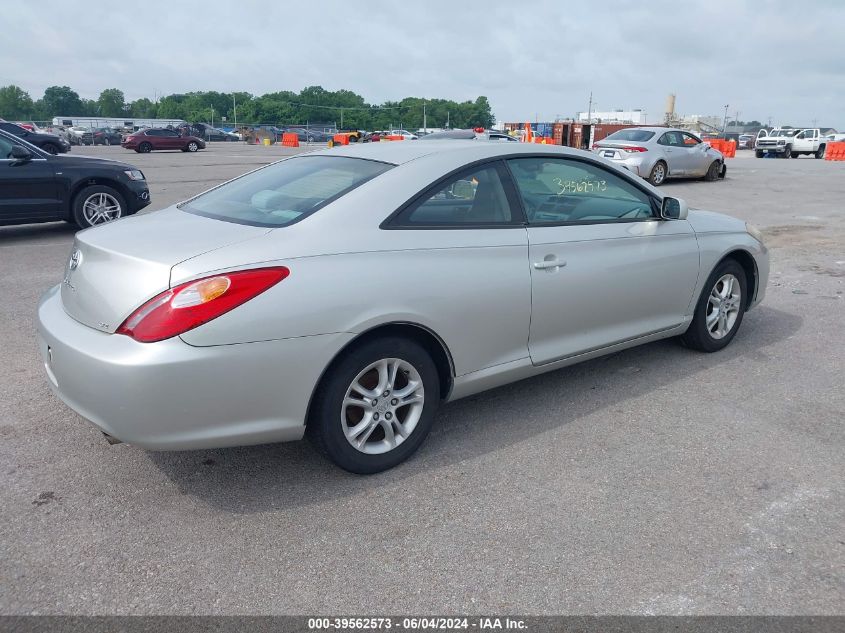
(150, 139)
(50, 143)
(306, 135)
(484, 135)
(658, 153)
(106, 136)
(408, 136)
(270, 307)
(36, 186)
(78, 135)
(207, 133)
(745, 141)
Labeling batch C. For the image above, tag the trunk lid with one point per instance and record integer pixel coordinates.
(116, 267)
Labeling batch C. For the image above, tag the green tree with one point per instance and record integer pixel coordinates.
(111, 103)
(61, 101)
(15, 103)
(143, 109)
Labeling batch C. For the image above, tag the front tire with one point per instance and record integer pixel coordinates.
(713, 171)
(50, 148)
(192, 146)
(658, 173)
(787, 153)
(719, 311)
(758, 153)
(96, 205)
(375, 405)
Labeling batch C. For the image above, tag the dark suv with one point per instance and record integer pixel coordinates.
(36, 186)
(48, 142)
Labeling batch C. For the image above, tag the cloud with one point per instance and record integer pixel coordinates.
(538, 57)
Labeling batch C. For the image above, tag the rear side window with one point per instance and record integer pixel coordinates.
(638, 136)
(286, 192)
(475, 197)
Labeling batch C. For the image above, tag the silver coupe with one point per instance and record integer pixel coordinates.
(345, 294)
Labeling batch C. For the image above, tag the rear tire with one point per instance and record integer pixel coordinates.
(820, 152)
(719, 311)
(658, 173)
(391, 431)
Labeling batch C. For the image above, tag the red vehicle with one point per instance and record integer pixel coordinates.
(144, 141)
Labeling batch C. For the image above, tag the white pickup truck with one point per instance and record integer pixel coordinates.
(790, 142)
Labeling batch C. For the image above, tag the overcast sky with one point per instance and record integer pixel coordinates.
(778, 59)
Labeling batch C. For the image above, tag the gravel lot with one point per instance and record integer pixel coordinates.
(657, 480)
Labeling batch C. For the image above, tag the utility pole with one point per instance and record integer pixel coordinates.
(725, 126)
(590, 109)
(736, 118)
(235, 110)
(425, 122)
(341, 118)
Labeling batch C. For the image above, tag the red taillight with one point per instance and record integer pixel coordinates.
(193, 303)
(634, 148)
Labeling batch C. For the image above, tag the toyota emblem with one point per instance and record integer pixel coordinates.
(75, 259)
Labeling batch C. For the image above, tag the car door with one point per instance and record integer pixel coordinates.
(28, 189)
(693, 155)
(671, 145)
(604, 269)
(466, 241)
(169, 139)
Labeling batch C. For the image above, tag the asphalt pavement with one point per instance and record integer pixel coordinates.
(655, 480)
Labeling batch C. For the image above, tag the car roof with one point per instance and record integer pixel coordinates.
(400, 152)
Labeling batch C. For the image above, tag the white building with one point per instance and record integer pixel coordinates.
(615, 116)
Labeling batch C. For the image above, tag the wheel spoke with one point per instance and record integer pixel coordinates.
(723, 324)
(392, 374)
(383, 377)
(355, 402)
(389, 434)
(711, 319)
(367, 393)
(407, 390)
(361, 427)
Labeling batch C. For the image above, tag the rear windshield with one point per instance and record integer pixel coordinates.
(630, 135)
(286, 192)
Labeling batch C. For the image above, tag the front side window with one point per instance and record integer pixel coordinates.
(285, 192)
(473, 197)
(5, 148)
(690, 140)
(563, 191)
(672, 139)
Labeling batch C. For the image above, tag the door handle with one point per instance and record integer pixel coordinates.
(547, 264)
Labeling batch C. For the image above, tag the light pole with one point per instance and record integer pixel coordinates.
(725, 126)
(235, 110)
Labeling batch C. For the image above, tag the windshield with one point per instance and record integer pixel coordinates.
(285, 192)
(784, 133)
(630, 135)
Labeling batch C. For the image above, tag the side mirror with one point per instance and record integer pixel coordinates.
(673, 209)
(20, 154)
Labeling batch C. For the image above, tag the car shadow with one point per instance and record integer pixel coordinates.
(262, 478)
(21, 232)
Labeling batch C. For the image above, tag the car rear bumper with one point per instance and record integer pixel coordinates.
(173, 396)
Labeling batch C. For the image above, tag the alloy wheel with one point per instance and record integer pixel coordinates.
(100, 207)
(723, 306)
(382, 406)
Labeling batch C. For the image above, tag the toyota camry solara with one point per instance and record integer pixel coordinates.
(345, 294)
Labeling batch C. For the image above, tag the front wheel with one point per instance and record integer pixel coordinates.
(97, 204)
(758, 153)
(718, 313)
(50, 148)
(376, 405)
(658, 174)
(192, 146)
(713, 171)
(787, 152)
